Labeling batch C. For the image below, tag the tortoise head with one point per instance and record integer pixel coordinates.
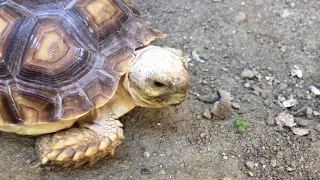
(158, 77)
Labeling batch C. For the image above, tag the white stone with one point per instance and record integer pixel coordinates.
(315, 90)
(285, 119)
(289, 103)
(296, 71)
(300, 131)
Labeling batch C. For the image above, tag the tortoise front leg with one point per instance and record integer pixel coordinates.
(76, 146)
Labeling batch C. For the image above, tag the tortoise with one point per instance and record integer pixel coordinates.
(69, 69)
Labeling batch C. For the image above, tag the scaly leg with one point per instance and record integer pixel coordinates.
(76, 146)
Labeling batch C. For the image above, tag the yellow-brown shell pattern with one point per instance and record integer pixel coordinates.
(61, 58)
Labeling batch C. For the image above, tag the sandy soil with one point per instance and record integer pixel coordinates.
(264, 37)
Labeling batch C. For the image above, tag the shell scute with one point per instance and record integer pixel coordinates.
(8, 114)
(53, 57)
(101, 19)
(10, 19)
(101, 88)
(118, 60)
(74, 102)
(36, 5)
(34, 105)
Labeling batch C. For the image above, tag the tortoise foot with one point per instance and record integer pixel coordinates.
(78, 146)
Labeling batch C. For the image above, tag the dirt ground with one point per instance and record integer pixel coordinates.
(247, 48)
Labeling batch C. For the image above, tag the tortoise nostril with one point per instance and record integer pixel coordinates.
(158, 84)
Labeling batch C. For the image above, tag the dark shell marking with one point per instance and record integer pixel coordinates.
(61, 58)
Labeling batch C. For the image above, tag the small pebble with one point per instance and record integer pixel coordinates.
(292, 4)
(28, 161)
(296, 71)
(235, 105)
(270, 120)
(224, 95)
(247, 85)
(290, 169)
(303, 122)
(283, 49)
(146, 154)
(285, 119)
(207, 114)
(144, 170)
(249, 164)
(196, 57)
(247, 73)
(202, 135)
(309, 112)
(285, 13)
(300, 131)
(316, 113)
(221, 109)
(162, 172)
(250, 173)
(317, 128)
(241, 17)
(205, 82)
(225, 55)
(209, 98)
(225, 157)
(281, 98)
(289, 103)
(315, 90)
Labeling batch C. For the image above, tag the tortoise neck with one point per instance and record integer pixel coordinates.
(121, 103)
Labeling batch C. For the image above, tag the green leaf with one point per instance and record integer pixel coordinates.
(242, 128)
(241, 125)
(239, 122)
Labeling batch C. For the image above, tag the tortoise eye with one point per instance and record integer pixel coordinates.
(159, 84)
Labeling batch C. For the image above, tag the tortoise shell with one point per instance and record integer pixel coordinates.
(61, 58)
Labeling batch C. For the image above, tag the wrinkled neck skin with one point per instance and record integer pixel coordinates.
(121, 103)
